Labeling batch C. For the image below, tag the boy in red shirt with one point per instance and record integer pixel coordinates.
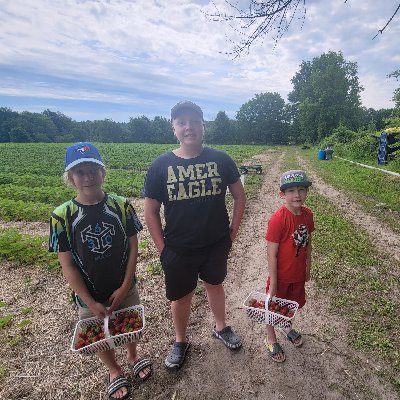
(289, 252)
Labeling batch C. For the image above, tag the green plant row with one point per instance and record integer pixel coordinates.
(29, 180)
(361, 284)
(122, 183)
(48, 158)
(45, 194)
(26, 249)
(376, 192)
(19, 210)
(31, 174)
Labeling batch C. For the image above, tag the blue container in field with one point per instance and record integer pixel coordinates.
(322, 155)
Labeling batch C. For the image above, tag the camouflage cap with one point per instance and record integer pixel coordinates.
(294, 178)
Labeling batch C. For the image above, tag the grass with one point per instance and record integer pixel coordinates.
(26, 249)
(154, 268)
(3, 371)
(4, 321)
(362, 285)
(375, 191)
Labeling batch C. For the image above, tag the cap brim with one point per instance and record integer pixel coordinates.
(83, 160)
(293, 184)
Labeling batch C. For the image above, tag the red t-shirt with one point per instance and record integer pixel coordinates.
(292, 233)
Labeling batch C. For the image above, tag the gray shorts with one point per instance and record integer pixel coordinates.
(131, 299)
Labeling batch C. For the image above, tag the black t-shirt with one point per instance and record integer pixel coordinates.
(193, 194)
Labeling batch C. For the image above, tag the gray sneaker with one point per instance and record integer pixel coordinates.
(177, 355)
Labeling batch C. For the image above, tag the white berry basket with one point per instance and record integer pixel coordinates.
(264, 316)
(109, 341)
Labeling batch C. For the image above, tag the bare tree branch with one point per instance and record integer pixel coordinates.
(387, 23)
(262, 18)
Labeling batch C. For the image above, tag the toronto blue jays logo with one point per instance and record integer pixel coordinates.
(83, 149)
(100, 239)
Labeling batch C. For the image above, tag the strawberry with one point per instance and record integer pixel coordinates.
(252, 302)
(79, 344)
(290, 313)
(284, 310)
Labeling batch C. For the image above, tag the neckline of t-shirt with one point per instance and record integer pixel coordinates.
(296, 215)
(192, 158)
(91, 205)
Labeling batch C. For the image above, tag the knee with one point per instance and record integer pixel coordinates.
(213, 288)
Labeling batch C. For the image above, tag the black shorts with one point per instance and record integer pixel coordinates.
(182, 271)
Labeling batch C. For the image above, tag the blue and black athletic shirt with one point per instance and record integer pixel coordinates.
(97, 236)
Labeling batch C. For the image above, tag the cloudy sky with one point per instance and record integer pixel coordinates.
(96, 59)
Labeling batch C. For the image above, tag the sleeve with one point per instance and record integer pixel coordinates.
(133, 224)
(232, 172)
(58, 241)
(274, 229)
(152, 183)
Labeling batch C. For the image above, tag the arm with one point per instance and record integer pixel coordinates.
(153, 222)
(119, 294)
(78, 285)
(308, 261)
(272, 256)
(239, 204)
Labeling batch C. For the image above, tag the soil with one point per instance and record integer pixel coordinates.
(40, 365)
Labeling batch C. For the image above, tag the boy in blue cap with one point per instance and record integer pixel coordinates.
(95, 237)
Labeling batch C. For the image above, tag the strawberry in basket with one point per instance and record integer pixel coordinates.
(256, 303)
(90, 335)
(129, 321)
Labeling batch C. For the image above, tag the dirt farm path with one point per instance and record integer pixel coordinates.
(326, 367)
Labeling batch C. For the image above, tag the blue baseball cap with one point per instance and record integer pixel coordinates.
(82, 152)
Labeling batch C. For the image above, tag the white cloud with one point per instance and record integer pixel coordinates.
(153, 52)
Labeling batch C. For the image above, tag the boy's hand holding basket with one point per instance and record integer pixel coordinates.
(276, 311)
(93, 335)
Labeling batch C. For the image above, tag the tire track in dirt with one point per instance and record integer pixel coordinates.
(379, 234)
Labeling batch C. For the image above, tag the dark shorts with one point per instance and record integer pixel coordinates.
(291, 291)
(182, 271)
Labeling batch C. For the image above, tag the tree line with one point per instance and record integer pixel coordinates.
(325, 96)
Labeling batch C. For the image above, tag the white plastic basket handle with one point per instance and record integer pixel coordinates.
(107, 331)
(266, 307)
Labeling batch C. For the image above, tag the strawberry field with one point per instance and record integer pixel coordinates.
(349, 324)
(31, 174)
